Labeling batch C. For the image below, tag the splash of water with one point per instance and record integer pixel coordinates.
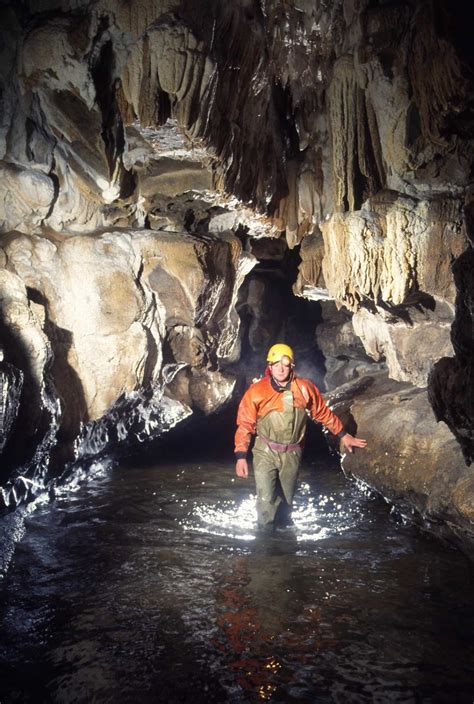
(226, 519)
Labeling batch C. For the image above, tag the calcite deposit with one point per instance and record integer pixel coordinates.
(152, 152)
(97, 315)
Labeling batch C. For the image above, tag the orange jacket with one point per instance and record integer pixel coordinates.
(261, 398)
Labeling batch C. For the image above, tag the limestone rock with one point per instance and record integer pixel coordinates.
(171, 69)
(11, 383)
(26, 198)
(310, 279)
(410, 343)
(209, 389)
(138, 151)
(100, 322)
(25, 345)
(392, 248)
(335, 334)
(104, 306)
(268, 249)
(342, 370)
(353, 119)
(344, 356)
(135, 417)
(170, 178)
(411, 459)
(450, 393)
(71, 98)
(350, 114)
(169, 191)
(451, 382)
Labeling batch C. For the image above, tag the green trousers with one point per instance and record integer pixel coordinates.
(276, 474)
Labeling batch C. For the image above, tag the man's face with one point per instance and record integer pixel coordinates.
(281, 371)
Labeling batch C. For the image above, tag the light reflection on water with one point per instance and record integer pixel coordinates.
(315, 517)
(153, 585)
(224, 519)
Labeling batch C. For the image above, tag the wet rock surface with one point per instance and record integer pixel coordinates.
(93, 317)
(11, 382)
(411, 459)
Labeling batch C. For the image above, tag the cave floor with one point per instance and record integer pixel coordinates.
(150, 584)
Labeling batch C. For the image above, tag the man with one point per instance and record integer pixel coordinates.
(275, 409)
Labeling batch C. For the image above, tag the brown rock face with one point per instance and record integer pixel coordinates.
(451, 383)
(391, 249)
(410, 458)
(95, 313)
(410, 342)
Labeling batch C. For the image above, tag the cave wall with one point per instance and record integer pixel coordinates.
(346, 126)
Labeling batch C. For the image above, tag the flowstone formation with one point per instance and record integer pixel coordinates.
(146, 147)
(99, 317)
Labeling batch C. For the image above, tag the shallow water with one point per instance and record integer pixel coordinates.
(150, 584)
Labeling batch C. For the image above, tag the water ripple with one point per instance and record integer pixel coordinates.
(315, 517)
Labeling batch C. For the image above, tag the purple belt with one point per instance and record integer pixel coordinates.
(280, 447)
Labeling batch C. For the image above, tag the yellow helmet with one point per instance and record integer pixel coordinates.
(276, 352)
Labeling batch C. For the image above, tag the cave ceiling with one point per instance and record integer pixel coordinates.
(305, 112)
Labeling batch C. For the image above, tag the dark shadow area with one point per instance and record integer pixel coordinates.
(32, 419)
(270, 312)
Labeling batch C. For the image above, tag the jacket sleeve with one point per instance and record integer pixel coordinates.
(246, 424)
(321, 413)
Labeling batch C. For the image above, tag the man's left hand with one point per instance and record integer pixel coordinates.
(349, 442)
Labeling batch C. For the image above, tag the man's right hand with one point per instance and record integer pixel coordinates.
(242, 469)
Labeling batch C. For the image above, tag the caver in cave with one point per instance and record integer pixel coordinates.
(275, 410)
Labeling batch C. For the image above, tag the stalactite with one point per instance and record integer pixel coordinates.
(206, 91)
(292, 206)
(357, 163)
(379, 176)
(309, 208)
(398, 275)
(343, 110)
(310, 273)
(436, 76)
(135, 17)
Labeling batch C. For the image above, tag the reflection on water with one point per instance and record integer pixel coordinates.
(315, 516)
(224, 519)
(153, 585)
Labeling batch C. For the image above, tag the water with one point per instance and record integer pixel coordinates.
(150, 584)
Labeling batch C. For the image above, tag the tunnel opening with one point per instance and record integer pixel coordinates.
(269, 312)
